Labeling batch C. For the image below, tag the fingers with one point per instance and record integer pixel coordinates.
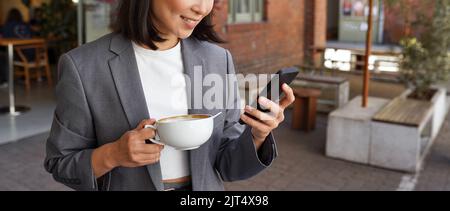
(135, 139)
(150, 148)
(145, 122)
(146, 159)
(254, 123)
(270, 105)
(289, 98)
(266, 118)
(146, 133)
(145, 154)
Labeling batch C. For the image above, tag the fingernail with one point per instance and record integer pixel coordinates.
(248, 108)
(263, 100)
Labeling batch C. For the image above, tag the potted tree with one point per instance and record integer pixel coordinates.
(426, 61)
(397, 134)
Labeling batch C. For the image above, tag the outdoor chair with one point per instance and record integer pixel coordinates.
(32, 62)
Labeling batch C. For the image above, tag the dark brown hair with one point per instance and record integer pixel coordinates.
(14, 15)
(134, 21)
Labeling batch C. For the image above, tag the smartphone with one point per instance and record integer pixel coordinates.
(284, 76)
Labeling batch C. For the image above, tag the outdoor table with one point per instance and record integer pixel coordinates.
(13, 109)
(305, 109)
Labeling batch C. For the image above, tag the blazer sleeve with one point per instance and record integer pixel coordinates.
(71, 140)
(238, 158)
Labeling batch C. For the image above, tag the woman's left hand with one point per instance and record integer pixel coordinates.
(267, 122)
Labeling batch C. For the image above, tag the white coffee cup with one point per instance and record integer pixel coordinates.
(186, 132)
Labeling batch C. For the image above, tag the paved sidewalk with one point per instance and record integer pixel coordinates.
(303, 166)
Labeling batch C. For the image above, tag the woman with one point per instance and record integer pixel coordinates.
(15, 27)
(109, 88)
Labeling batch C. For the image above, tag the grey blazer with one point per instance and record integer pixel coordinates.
(100, 97)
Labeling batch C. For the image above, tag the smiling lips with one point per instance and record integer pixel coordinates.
(190, 23)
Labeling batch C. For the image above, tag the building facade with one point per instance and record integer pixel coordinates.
(266, 35)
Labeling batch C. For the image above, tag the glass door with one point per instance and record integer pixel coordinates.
(353, 20)
(95, 18)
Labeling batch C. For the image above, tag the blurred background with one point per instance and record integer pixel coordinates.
(388, 132)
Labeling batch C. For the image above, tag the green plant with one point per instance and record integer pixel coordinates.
(426, 59)
(60, 24)
(413, 68)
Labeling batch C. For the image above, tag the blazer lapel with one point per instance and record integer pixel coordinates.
(126, 76)
(193, 62)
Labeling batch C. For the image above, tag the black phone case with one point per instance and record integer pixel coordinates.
(286, 76)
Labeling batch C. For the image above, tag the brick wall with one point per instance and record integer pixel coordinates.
(316, 22)
(277, 42)
(394, 24)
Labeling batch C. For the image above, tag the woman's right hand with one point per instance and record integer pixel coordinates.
(131, 149)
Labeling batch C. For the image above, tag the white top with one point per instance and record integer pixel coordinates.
(164, 87)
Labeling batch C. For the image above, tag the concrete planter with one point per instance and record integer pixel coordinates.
(352, 134)
(404, 148)
(440, 109)
(349, 129)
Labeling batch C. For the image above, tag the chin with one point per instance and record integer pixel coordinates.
(184, 35)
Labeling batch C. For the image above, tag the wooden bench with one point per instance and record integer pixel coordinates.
(404, 111)
(305, 109)
(339, 85)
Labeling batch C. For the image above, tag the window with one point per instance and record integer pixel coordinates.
(245, 11)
